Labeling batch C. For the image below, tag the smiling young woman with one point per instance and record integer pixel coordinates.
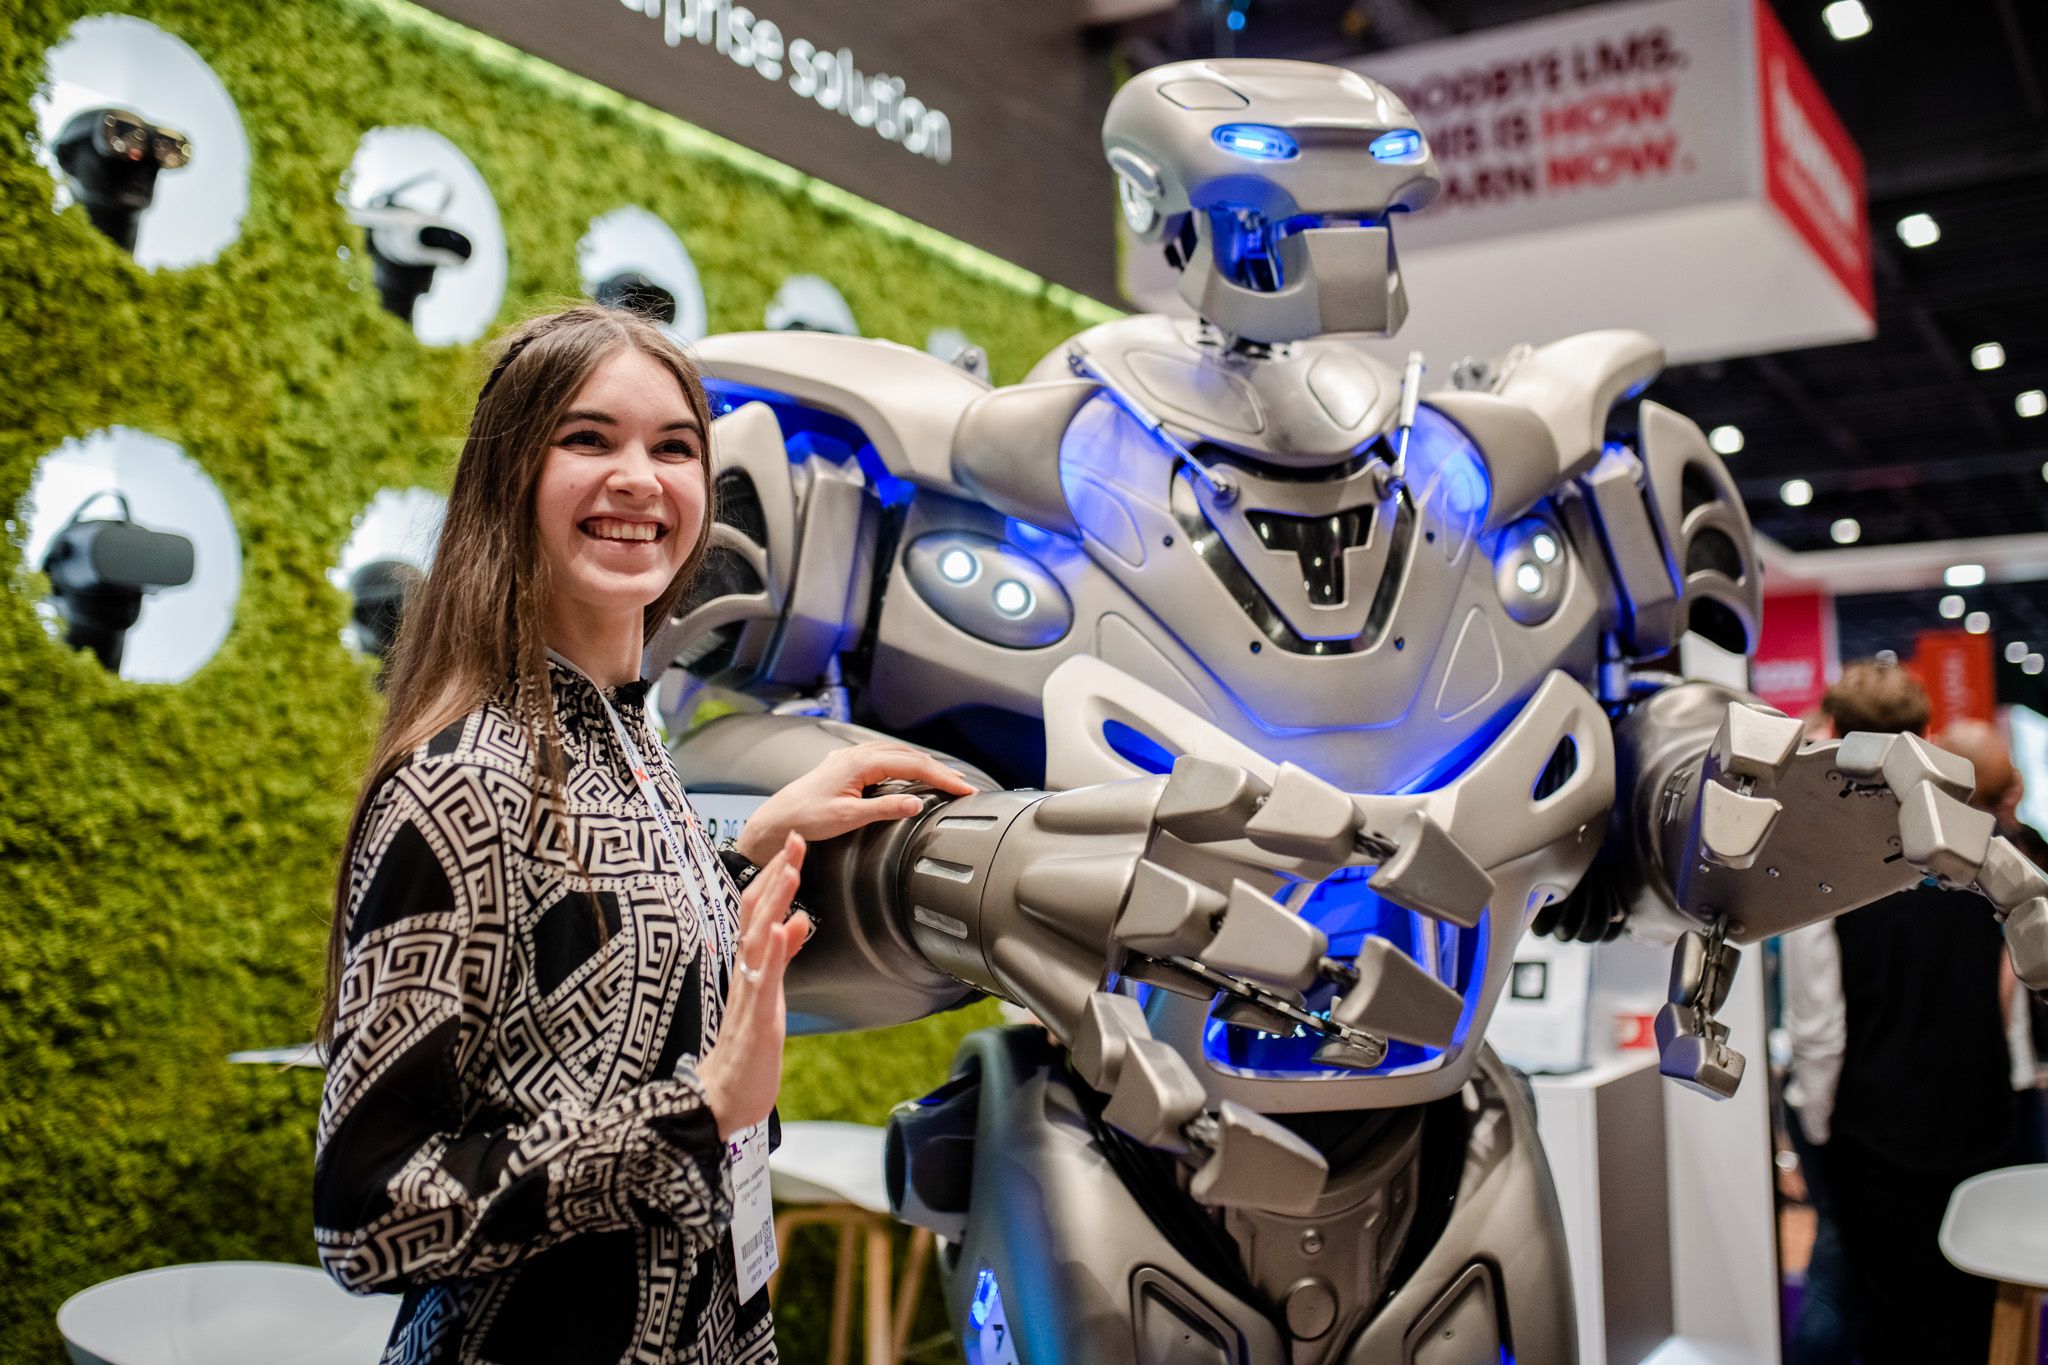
(549, 1012)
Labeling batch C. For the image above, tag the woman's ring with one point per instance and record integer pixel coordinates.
(751, 973)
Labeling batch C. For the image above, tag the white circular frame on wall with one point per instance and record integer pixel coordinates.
(631, 239)
(810, 303)
(114, 59)
(402, 524)
(433, 175)
(166, 490)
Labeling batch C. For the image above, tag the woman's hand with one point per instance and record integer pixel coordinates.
(827, 801)
(743, 1070)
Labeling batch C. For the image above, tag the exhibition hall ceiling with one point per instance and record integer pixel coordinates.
(1904, 434)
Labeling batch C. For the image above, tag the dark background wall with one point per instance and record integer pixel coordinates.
(166, 851)
(1022, 91)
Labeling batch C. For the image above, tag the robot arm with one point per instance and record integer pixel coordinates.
(1730, 829)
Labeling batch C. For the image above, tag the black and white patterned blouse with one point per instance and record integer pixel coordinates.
(513, 1133)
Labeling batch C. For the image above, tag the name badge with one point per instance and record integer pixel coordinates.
(754, 1254)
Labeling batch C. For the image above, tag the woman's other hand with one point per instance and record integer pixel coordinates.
(743, 1070)
(826, 801)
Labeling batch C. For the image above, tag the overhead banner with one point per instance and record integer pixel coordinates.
(1669, 166)
(981, 119)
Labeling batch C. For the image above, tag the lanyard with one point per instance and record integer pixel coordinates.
(712, 903)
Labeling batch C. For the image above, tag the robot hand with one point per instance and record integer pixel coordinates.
(1773, 834)
(1165, 882)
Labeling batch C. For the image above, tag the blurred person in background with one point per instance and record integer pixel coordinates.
(2000, 789)
(1900, 1087)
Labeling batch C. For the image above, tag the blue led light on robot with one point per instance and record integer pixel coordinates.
(1257, 142)
(985, 1295)
(1401, 147)
(809, 432)
(1136, 747)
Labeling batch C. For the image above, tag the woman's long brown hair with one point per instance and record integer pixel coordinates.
(473, 630)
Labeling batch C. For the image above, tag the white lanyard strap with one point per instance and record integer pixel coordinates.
(712, 903)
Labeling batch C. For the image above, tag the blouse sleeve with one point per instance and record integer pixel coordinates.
(414, 1182)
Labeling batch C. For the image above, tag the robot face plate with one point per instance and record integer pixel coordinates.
(1278, 139)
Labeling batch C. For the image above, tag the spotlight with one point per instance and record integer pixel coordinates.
(1725, 440)
(112, 157)
(1846, 19)
(99, 571)
(2032, 403)
(1846, 531)
(1978, 623)
(409, 244)
(379, 589)
(2031, 665)
(1918, 230)
(1963, 576)
(2016, 651)
(1987, 355)
(631, 292)
(1795, 492)
(1951, 606)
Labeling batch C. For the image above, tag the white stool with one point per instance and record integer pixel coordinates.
(225, 1313)
(833, 1172)
(1997, 1226)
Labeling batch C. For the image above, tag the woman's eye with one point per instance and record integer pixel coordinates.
(679, 450)
(581, 438)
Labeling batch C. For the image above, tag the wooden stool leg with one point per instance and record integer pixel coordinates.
(878, 1316)
(842, 1294)
(785, 1223)
(2015, 1326)
(915, 1258)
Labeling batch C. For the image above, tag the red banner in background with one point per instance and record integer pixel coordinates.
(1795, 654)
(1957, 670)
(1812, 170)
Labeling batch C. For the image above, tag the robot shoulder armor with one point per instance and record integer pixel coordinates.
(906, 402)
(1574, 383)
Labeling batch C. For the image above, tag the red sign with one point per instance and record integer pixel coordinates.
(1956, 669)
(1812, 171)
(1795, 652)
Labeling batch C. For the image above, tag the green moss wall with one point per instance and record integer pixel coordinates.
(165, 851)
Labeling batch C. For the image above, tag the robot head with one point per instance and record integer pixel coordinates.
(112, 158)
(1271, 184)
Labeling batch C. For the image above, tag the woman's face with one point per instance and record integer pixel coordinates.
(621, 498)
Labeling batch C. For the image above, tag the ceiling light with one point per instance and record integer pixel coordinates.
(1951, 607)
(1964, 576)
(2031, 665)
(1987, 355)
(1846, 19)
(1977, 622)
(2032, 403)
(1918, 230)
(2016, 651)
(1725, 440)
(1795, 492)
(1846, 531)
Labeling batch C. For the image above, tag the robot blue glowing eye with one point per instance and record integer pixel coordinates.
(958, 566)
(1529, 579)
(1544, 547)
(1401, 147)
(1013, 599)
(1257, 142)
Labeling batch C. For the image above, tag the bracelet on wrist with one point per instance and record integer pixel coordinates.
(738, 865)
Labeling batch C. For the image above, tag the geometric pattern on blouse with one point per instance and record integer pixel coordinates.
(512, 1132)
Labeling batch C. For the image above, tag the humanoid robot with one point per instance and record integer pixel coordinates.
(1297, 694)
